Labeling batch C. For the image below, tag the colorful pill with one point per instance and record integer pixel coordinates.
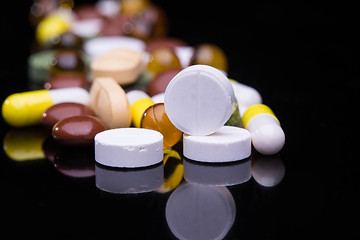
(66, 80)
(64, 110)
(109, 102)
(78, 130)
(210, 54)
(25, 109)
(199, 100)
(128, 147)
(267, 136)
(52, 26)
(228, 144)
(123, 65)
(155, 118)
(139, 102)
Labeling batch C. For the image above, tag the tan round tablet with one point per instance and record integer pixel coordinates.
(109, 102)
(123, 65)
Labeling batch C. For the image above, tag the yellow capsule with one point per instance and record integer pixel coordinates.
(255, 110)
(26, 108)
(52, 26)
(23, 109)
(139, 101)
(138, 108)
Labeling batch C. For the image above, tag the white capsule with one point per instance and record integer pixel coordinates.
(246, 96)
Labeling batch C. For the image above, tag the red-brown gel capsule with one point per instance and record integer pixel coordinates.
(65, 80)
(64, 110)
(78, 130)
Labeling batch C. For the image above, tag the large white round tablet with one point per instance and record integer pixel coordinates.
(225, 145)
(199, 99)
(196, 211)
(128, 147)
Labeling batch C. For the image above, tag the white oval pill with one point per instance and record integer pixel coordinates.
(198, 100)
(128, 147)
(225, 145)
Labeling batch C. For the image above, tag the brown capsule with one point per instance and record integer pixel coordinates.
(78, 130)
(64, 110)
(159, 83)
(65, 80)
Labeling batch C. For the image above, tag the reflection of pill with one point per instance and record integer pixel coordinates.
(199, 100)
(25, 109)
(129, 147)
(225, 145)
(123, 65)
(267, 171)
(129, 181)
(109, 102)
(197, 211)
(217, 174)
(173, 170)
(267, 135)
(23, 144)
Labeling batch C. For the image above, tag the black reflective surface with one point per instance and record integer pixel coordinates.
(302, 57)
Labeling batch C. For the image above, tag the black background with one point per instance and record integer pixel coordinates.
(303, 57)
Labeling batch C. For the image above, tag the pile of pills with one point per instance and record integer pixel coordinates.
(112, 78)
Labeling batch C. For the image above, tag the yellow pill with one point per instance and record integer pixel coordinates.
(52, 26)
(26, 108)
(139, 102)
(255, 110)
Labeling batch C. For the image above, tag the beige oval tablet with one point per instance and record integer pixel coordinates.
(123, 65)
(109, 102)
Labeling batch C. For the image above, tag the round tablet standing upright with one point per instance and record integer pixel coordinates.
(225, 145)
(198, 100)
(128, 147)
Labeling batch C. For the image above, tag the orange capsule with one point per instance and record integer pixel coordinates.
(155, 118)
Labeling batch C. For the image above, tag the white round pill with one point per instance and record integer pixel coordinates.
(198, 100)
(128, 147)
(225, 145)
